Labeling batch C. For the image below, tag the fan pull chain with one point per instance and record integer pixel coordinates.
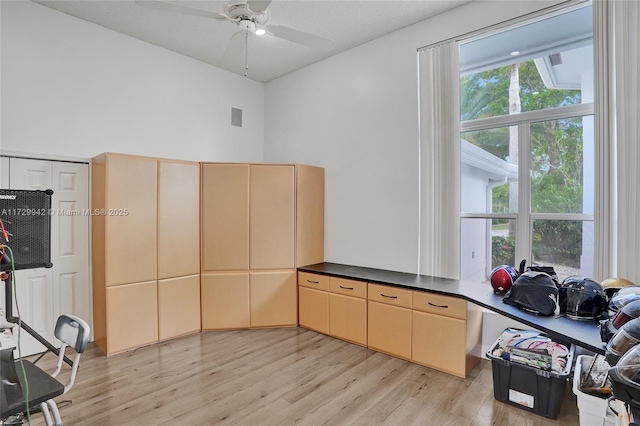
(246, 53)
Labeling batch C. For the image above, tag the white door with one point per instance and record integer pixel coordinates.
(70, 240)
(43, 294)
(4, 173)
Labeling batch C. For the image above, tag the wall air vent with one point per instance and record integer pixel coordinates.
(555, 59)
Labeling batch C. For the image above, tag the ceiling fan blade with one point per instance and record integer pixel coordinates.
(300, 37)
(235, 51)
(179, 8)
(257, 6)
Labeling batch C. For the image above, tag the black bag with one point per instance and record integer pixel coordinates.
(534, 291)
(11, 392)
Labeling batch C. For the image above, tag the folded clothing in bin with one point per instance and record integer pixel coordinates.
(532, 348)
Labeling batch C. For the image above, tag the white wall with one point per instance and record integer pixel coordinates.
(72, 88)
(356, 115)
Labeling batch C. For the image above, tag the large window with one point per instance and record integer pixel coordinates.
(527, 166)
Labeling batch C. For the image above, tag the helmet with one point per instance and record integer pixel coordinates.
(582, 298)
(628, 312)
(534, 292)
(622, 297)
(612, 285)
(625, 338)
(502, 278)
(625, 378)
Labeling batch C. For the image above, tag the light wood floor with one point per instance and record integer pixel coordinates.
(279, 377)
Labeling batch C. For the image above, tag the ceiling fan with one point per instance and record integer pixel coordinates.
(251, 17)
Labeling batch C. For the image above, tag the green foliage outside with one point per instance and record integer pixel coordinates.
(556, 157)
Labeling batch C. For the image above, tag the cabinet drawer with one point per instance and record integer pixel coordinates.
(390, 295)
(439, 304)
(348, 287)
(319, 282)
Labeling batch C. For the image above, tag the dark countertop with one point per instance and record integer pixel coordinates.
(583, 333)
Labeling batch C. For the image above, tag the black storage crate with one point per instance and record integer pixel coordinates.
(532, 389)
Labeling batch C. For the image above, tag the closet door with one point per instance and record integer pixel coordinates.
(34, 287)
(70, 240)
(44, 294)
(4, 173)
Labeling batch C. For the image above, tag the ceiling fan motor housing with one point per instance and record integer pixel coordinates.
(247, 25)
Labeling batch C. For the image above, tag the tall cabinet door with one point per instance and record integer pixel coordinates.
(178, 248)
(225, 217)
(131, 209)
(272, 217)
(178, 219)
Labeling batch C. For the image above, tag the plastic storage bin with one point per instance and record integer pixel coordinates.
(527, 387)
(593, 411)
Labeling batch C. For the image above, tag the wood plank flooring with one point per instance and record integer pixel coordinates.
(279, 377)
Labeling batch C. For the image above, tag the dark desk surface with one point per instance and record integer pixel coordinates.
(42, 387)
(583, 333)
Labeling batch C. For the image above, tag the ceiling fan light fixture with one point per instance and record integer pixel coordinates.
(260, 31)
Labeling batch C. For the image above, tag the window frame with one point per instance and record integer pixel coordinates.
(524, 233)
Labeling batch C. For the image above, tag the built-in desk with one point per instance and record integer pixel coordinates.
(583, 333)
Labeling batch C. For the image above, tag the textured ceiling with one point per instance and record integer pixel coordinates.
(347, 23)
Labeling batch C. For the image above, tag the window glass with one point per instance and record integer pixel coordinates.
(489, 177)
(486, 243)
(567, 245)
(535, 66)
(558, 166)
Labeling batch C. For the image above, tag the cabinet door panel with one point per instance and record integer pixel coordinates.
(439, 342)
(225, 217)
(309, 215)
(272, 217)
(389, 329)
(274, 299)
(132, 316)
(178, 306)
(314, 309)
(178, 219)
(348, 318)
(225, 301)
(131, 184)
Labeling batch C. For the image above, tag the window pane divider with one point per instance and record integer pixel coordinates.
(531, 116)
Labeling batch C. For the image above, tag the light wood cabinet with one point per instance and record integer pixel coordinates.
(178, 219)
(348, 310)
(441, 332)
(145, 229)
(129, 200)
(348, 318)
(178, 306)
(313, 308)
(334, 306)
(309, 215)
(131, 316)
(446, 331)
(273, 296)
(389, 329)
(225, 300)
(225, 217)
(272, 217)
(250, 225)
